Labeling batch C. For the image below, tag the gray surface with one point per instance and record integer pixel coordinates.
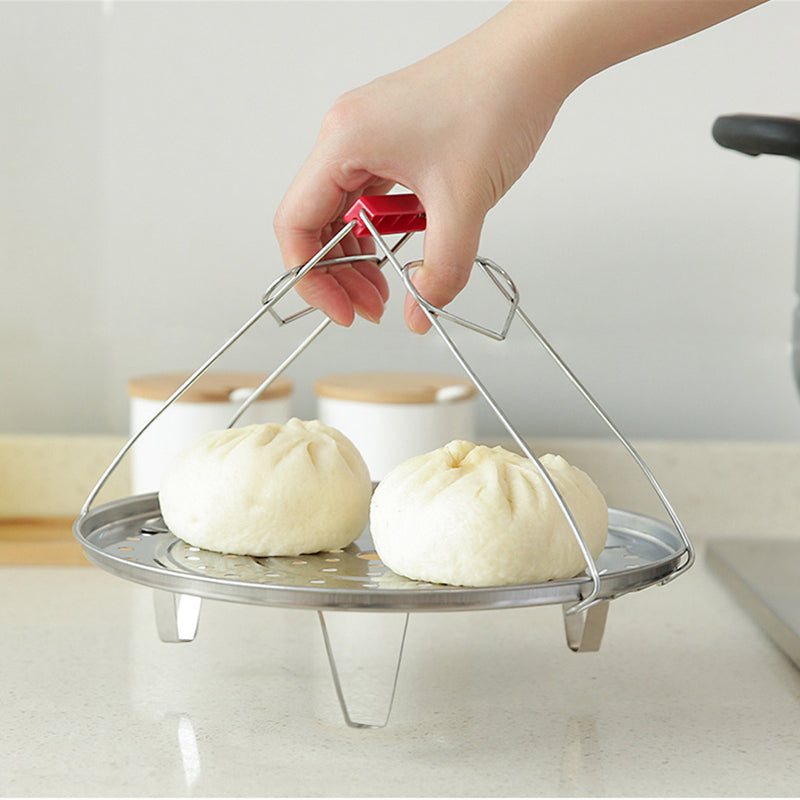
(764, 576)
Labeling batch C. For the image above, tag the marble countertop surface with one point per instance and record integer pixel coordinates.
(686, 696)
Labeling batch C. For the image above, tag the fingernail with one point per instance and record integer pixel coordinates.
(418, 322)
(370, 317)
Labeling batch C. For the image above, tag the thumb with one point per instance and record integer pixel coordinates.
(451, 244)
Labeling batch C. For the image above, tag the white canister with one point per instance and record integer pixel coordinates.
(207, 405)
(392, 416)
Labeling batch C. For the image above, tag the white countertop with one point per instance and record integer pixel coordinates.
(685, 697)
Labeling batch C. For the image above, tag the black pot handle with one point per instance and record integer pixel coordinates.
(755, 134)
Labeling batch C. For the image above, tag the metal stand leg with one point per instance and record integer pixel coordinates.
(364, 651)
(177, 615)
(585, 628)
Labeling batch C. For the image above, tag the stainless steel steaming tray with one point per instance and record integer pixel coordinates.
(129, 539)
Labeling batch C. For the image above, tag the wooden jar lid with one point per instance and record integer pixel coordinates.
(394, 387)
(212, 387)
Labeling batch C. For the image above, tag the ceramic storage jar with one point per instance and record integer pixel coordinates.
(207, 405)
(392, 416)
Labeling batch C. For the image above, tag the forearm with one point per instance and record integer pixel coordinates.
(565, 42)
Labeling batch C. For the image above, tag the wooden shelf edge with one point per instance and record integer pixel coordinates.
(39, 541)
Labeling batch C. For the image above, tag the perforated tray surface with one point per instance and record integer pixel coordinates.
(128, 538)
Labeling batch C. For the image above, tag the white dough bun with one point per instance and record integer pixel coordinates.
(471, 515)
(268, 490)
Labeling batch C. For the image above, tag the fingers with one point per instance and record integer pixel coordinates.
(322, 290)
(375, 276)
(451, 244)
(309, 215)
(344, 291)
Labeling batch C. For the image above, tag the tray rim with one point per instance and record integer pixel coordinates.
(437, 598)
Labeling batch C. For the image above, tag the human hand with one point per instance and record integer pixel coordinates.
(451, 129)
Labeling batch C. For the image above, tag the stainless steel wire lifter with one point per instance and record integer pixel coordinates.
(362, 217)
(377, 217)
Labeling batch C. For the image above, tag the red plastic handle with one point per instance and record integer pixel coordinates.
(389, 213)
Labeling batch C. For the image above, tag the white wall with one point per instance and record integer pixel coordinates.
(145, 146)
(50, 217)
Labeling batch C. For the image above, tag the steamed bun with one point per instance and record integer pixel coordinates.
(471, 515)
(268, 490)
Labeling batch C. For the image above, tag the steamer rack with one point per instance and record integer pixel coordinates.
(129, 539)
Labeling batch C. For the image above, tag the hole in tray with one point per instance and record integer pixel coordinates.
(330, 569)
(128, 549)
(299, 562)
(317, 580)
(333, 559)
(133, 538)
(368, 556)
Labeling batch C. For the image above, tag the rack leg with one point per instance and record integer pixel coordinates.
(585, 629)
(364, 652)
(177, 615)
